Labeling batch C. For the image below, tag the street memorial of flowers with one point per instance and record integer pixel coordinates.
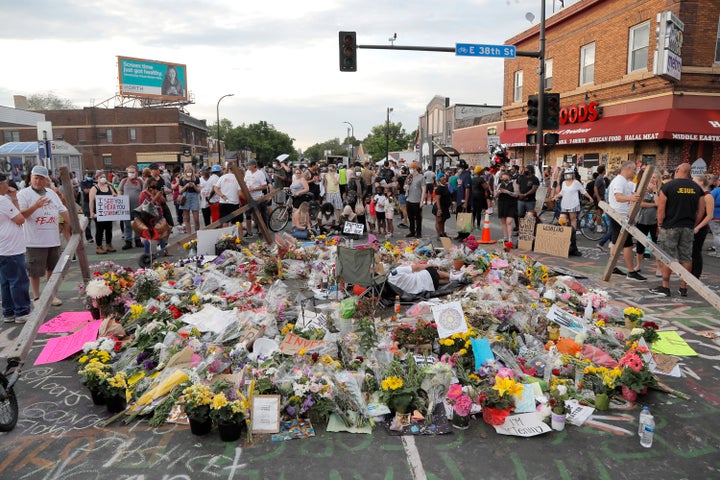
(259, 339)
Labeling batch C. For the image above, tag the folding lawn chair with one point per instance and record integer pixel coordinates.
(357, 267)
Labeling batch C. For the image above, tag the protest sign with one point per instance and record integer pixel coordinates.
(109, 208)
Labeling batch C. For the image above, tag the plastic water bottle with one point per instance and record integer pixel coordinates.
(644, 414)
(646, 438)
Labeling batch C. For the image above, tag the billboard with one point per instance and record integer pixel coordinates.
(152, 79)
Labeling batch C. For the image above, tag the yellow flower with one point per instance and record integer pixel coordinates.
(218, 401)
(302, 352)
(507, 386)
(462, 351)
(135, 311)
(392, 383)
(529, 272)
(600, 323)
(544, 277)
(473, 377)
(195, 299)
(83, 359)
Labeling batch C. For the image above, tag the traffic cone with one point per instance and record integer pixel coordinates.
(485, 239)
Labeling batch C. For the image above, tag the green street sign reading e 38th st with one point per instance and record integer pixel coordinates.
(479, 50)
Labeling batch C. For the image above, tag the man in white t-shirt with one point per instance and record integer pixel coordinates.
(257, 183)
(621, 193)
(42, 209)
(227, 189)
(14, 282)
(420, 278)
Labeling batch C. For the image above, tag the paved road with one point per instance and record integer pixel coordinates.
(59, 434)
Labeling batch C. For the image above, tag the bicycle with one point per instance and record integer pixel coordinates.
(591, 225)
(282, 214)
(8, 401)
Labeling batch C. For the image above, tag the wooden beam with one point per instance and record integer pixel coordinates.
(75, 222)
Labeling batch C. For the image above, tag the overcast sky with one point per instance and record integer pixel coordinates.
(278, 57)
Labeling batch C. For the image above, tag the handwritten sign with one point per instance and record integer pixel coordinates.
(353, 228)
(578, 413)
(449, 319)
(265, 414)
(526, 233)
(109, 208)
(292, 344)
(523, 425)
(66, 322)
(60, 348)
(553, 240)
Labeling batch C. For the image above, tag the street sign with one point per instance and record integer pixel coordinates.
(479, 50)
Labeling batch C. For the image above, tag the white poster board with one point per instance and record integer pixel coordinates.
(109, 208)
(352, 228)
(449, 318)
(265, 413)
(206, 239)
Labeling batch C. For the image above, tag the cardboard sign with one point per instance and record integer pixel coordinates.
(250, 334)
(208, 238)
(354, 228)
(449, 318)
(446, 243)
(526, 233)
(523, 425)
(265, 413)
(292, 344)
(553, 240)
(109, 208)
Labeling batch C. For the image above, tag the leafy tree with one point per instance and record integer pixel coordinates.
(398, 139)
(225, 127)
(48, 101)
(317, 151)
(261, 138)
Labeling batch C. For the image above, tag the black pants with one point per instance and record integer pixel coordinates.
(414, 218)
(86, 212)
(206, 216)
(103, 230)
(697, 255)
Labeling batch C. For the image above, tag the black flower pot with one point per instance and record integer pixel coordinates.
(229, 431)
(97, 397)
(115, 404)
(200, 426)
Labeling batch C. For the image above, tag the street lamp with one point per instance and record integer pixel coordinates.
(387, 135)
(218, 125)
(352, 137)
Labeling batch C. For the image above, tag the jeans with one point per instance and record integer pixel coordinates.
(128, 229)
(14, 286)
(608, 234)
(146, 245)
(715, 229)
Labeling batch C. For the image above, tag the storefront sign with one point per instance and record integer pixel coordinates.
(579, 113)
(668, 53)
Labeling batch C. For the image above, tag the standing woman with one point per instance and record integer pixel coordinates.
(647, 220)
(175, 187)
(569, 197)
(190, 188)
(415, 188)
(103, 229)
(701, 229)
(443, 200)
(506, 195)
(299, 187)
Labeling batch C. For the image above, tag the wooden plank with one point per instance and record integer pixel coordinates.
(75, 222)
(693, 282)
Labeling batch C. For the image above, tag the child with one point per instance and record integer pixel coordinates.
(380, 201)
(389, 212)
(327, 221)
(370, 213)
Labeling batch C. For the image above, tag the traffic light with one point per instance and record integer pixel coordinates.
(551, 111)
(551, 138)
(532, 112)
(348, 52)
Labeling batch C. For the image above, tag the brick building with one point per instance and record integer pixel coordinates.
(603, 55)
(113, 138)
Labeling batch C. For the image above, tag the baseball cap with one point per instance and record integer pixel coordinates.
(154, 166)
(252, 161)
(216, 168)
(40, 170)
(205, 169)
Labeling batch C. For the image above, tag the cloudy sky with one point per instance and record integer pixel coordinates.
(278, 57)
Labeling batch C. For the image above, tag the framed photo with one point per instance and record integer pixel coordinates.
(265, 413)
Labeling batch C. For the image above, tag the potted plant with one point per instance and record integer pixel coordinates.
(558, 396)
(459, 261)
(94, 373)
(196, 400)
(497, 397)
(114, 387)
(603, 382)
(400, 386)
(633, 316)
(229, 415)
(635, 376)
(462, 404)
(419, 338)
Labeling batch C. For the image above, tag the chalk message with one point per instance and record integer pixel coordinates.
(109, 208)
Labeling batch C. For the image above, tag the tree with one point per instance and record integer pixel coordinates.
(225, 127)
(262, 139)
(375, 143)
(317, 151)
(48, 101)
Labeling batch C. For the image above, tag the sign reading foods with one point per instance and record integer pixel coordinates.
(585, 112)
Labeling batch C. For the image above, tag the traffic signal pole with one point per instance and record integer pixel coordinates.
(540, 152)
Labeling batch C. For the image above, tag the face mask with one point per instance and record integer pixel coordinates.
(131, 175)
(188, 174)
(89, 179)
(102, 180)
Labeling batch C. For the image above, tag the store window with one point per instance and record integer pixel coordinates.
(107, 161)
(717, 44)
(11, 136)
(518, 88)
(587, 64)
(638, 47)
(133, 135)
(548, 74)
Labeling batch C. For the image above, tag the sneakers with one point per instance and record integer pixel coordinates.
(682, 291)
(660, 291)
(21, 319)
(617, 271)
(635, 275)
(100, 251)
(138, 243)
(8, 319)
(128, 245)
(601, 248)
(56, 302)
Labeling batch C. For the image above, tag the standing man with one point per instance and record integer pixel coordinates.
(256, 182)
(131, 186)
(463, 194)
(415, 187)
(620, 194)
(41, 208)
(14, 283)
(681, 206)
(227, 189)
(86, 185)
(429, 185)
(332, 189)
(528, 184)
(205, 192)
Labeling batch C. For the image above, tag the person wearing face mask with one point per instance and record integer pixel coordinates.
(86, 184)
(103, 229)
(415, 188)
(131, 186)
(190, 188)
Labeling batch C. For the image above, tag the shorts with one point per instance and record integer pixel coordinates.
(228, 208)
(380, 217)
(429, 188)
(434, 275)
(192, 202)
(616, 233)
(677, 242)
(402, 199)
(335, 199)
(41, 260)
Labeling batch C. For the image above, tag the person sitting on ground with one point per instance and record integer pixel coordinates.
(327, 221)
(301, 228)
(419, 278)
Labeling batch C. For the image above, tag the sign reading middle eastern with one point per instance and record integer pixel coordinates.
(110, 208)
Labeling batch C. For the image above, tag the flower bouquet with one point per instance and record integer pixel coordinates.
(229, 414)
(603, 382)
(420, 337)
(114, 388)
(633, 316)
(94, 373)
(400, 387)
(497, 391)
(227, 242)
(635, 376)
(461, 404)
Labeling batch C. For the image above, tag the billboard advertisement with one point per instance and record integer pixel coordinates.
(152, 79)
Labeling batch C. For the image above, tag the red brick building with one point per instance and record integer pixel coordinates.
(657, 100)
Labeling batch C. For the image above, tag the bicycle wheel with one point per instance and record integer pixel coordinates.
(279, 218)
(8, 408)
(547, 216)
(592, 227)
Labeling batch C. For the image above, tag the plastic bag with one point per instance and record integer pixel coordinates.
(348, 307)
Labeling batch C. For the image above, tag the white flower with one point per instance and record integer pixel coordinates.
(106, 344)
(97, 288)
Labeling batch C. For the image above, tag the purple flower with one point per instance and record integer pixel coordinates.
(290, 410)
(149, 365)
(140, 357)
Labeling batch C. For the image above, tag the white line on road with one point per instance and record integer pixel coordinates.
(413, 456)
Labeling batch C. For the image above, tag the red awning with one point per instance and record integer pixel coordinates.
(677, 124)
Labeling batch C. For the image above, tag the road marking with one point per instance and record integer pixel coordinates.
(413, 457)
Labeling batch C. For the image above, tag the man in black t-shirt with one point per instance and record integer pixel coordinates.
(528, 184)
(681, 205)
